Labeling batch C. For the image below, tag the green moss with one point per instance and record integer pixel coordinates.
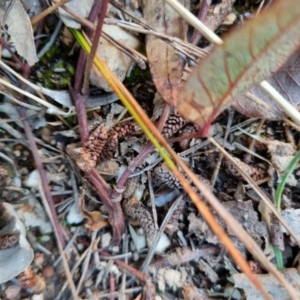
(56, 69)
(70, 119)
(137, 75)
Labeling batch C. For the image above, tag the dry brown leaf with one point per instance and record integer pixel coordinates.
(95, 219)
(166, 66)
(286, 81)
(14, 16)
(117, 61)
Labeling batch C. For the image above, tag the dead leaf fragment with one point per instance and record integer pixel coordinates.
(16, 259)
(116, 60)
(292, 218)
(14, 16)
(218, 14)
(281, 154)
(95, 219)
(270, 284)
(166, 66)
(81, 8)
(244, 214)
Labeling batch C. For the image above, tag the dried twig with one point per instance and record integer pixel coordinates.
(47, 11)
(149, 289)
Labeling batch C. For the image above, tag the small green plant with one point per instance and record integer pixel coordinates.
(279, 190)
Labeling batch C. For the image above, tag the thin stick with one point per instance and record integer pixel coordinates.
(47, 11)
(151, 251)
(86, 262)
(152, 197)
(247, 157)
(217, 168)
(46, 191)
(288, 108)
(195, 22)
(51, 108)
(77, 17)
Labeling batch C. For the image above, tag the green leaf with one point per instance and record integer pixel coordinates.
(248, 55)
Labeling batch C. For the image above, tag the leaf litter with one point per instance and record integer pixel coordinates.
(188, 262)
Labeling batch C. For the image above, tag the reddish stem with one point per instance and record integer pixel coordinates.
(79, 100)
(112, 286)
(132, 271)
(14, 56)
(79, 94)
(93, 177)
(201, 16)
(92, 17)
(42, 173)
(95, 44)
(116, 218)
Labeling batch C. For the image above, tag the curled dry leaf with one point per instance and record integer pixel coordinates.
(247, 56)
(20, 31)
(286, 81)
(95, 219)
(166, 66)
